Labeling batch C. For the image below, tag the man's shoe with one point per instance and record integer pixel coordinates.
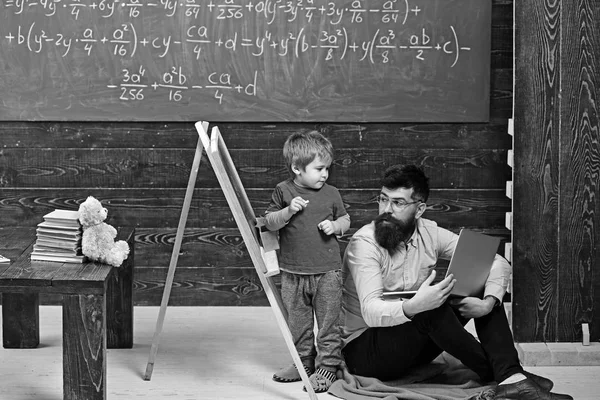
(542, 382)
(526, 389)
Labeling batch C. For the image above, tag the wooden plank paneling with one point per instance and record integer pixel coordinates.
(162, 168)
(502, 34)
(139, 170)
(557, 170)
(179, 135)
(535, 234)
(579, 169)
(222, 249)
(161, 207)
(213, 269)
(202, 286)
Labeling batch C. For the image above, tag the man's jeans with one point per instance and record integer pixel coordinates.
(388, 353)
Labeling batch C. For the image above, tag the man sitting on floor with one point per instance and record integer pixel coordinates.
(399, 251)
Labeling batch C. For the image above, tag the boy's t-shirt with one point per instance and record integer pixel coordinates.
(304, 248)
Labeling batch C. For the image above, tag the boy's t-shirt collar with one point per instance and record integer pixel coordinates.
(309, 189)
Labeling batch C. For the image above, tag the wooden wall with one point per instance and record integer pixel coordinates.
(557, 170)
(140, 172)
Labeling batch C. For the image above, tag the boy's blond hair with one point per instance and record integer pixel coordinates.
(301, 148)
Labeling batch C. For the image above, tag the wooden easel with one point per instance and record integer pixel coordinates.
(244, 216)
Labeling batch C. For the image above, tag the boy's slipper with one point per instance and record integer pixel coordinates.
(321, 380)
(291, 374)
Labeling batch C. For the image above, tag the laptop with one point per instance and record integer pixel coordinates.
(470, 264)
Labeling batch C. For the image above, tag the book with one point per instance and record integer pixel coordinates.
(59, 241)
(62, 244)
(60, 258)
(48, 253)
(59, 238)
(41, 247)
(56, 234)
(55, 253)
(4, 260)
(58, 214)
(59, 226)
(63, 217)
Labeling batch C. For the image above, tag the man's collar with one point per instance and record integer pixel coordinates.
(413, 237)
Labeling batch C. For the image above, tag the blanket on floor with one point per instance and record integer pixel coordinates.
(445, 378)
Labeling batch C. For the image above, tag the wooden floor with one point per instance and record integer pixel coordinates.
(206, 353)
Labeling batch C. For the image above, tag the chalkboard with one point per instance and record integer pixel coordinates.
(245, 60)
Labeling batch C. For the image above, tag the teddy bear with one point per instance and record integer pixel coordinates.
(98, 241)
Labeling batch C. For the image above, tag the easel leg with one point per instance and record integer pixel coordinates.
(174, 257)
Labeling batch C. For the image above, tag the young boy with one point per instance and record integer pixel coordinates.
(309, 214)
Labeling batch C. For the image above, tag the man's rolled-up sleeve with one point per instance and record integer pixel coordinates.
(499, 277)
(364, 260)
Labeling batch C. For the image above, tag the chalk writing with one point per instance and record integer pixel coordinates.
(181, 49)
(176, 82)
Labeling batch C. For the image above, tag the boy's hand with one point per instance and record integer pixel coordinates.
(297, 204)
(327, 227)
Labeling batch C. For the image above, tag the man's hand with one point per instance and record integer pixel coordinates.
(297, 204)
(429, 296)
(473, 307)
(327, 227)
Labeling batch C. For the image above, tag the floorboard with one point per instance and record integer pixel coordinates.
(204, 353)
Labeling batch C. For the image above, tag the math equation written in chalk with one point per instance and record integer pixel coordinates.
(358, 60)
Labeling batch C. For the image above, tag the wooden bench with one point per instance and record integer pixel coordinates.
(97, 308)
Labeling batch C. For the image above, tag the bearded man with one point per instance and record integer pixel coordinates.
(398, 251)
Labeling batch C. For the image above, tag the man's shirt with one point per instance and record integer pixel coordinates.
(369, 270)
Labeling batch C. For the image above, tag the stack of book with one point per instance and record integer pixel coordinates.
(58, 238)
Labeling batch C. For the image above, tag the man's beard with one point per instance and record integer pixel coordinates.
(389, 235)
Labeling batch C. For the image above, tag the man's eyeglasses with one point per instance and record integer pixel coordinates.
(397, 205)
